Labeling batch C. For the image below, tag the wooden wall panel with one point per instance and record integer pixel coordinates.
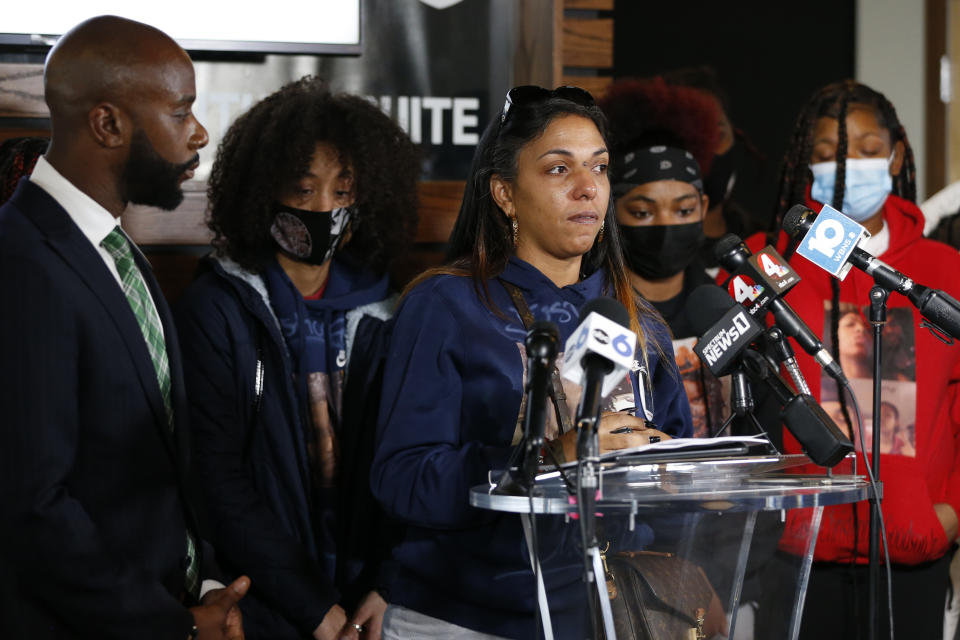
(595, 5)
(596, 85)
(439, 206)
(539, 30)
(953, 109)
(183, 226)
(588, 42)
(936, 134)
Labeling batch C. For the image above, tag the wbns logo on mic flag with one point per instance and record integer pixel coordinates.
(721, 345)
(830, 240)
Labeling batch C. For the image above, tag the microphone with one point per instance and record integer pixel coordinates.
(541, 346)
(727, 331)
(723, 341)
(830, 242)
(598, 354)
(816, 431)
(725, 328)
(769, 267)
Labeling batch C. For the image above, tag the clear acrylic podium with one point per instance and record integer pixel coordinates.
(724, 515)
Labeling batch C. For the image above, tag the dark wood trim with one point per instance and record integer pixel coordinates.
(595, 5)
(538, 30)
(596, 85)
(936, 134)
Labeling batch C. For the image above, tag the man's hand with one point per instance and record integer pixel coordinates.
(332, 624)
(218, 618)
(369, 616)
(948, 519)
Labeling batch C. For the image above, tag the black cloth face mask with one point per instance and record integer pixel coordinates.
(659, 251)
(309, 236)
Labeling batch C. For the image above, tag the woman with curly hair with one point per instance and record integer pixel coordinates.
(311, 197)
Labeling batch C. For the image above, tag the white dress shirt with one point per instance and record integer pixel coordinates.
(94, 221)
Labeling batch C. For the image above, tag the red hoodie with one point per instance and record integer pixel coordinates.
(918, 464)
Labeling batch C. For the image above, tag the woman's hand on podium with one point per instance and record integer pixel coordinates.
(617, 430)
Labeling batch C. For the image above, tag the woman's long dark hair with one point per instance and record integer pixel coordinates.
(482, 240)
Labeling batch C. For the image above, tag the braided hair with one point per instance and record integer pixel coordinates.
(834, 101)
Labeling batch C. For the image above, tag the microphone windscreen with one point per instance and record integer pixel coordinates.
(725, 245)
(793, 220)
(608, 308)
(544, 327)
(705, 306)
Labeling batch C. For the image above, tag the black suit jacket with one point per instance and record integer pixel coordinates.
(92, 483)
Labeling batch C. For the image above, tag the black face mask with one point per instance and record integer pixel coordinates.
(723, 175)
(659, 251)
(309, 236)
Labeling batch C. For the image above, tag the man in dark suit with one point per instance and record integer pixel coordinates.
(97, 538)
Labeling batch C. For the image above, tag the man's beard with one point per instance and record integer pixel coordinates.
(150, 180)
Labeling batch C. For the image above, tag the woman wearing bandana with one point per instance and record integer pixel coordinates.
(661, 132)
(312, 195)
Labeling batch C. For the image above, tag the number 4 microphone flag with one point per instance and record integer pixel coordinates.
(764, 277)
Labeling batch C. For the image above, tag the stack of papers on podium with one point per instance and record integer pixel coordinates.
(723, 446)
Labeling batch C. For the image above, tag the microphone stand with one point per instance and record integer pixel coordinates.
(878, 318)
(742, 406)
(588, 488)
(784, 353)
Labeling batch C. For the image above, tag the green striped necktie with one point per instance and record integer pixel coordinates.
(135, 289)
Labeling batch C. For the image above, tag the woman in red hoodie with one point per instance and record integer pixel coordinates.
(921, 481)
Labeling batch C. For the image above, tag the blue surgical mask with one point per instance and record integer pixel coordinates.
(866, 187)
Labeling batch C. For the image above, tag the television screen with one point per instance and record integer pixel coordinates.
(278, 26)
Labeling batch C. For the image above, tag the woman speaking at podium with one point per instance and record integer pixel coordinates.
(537, 219)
